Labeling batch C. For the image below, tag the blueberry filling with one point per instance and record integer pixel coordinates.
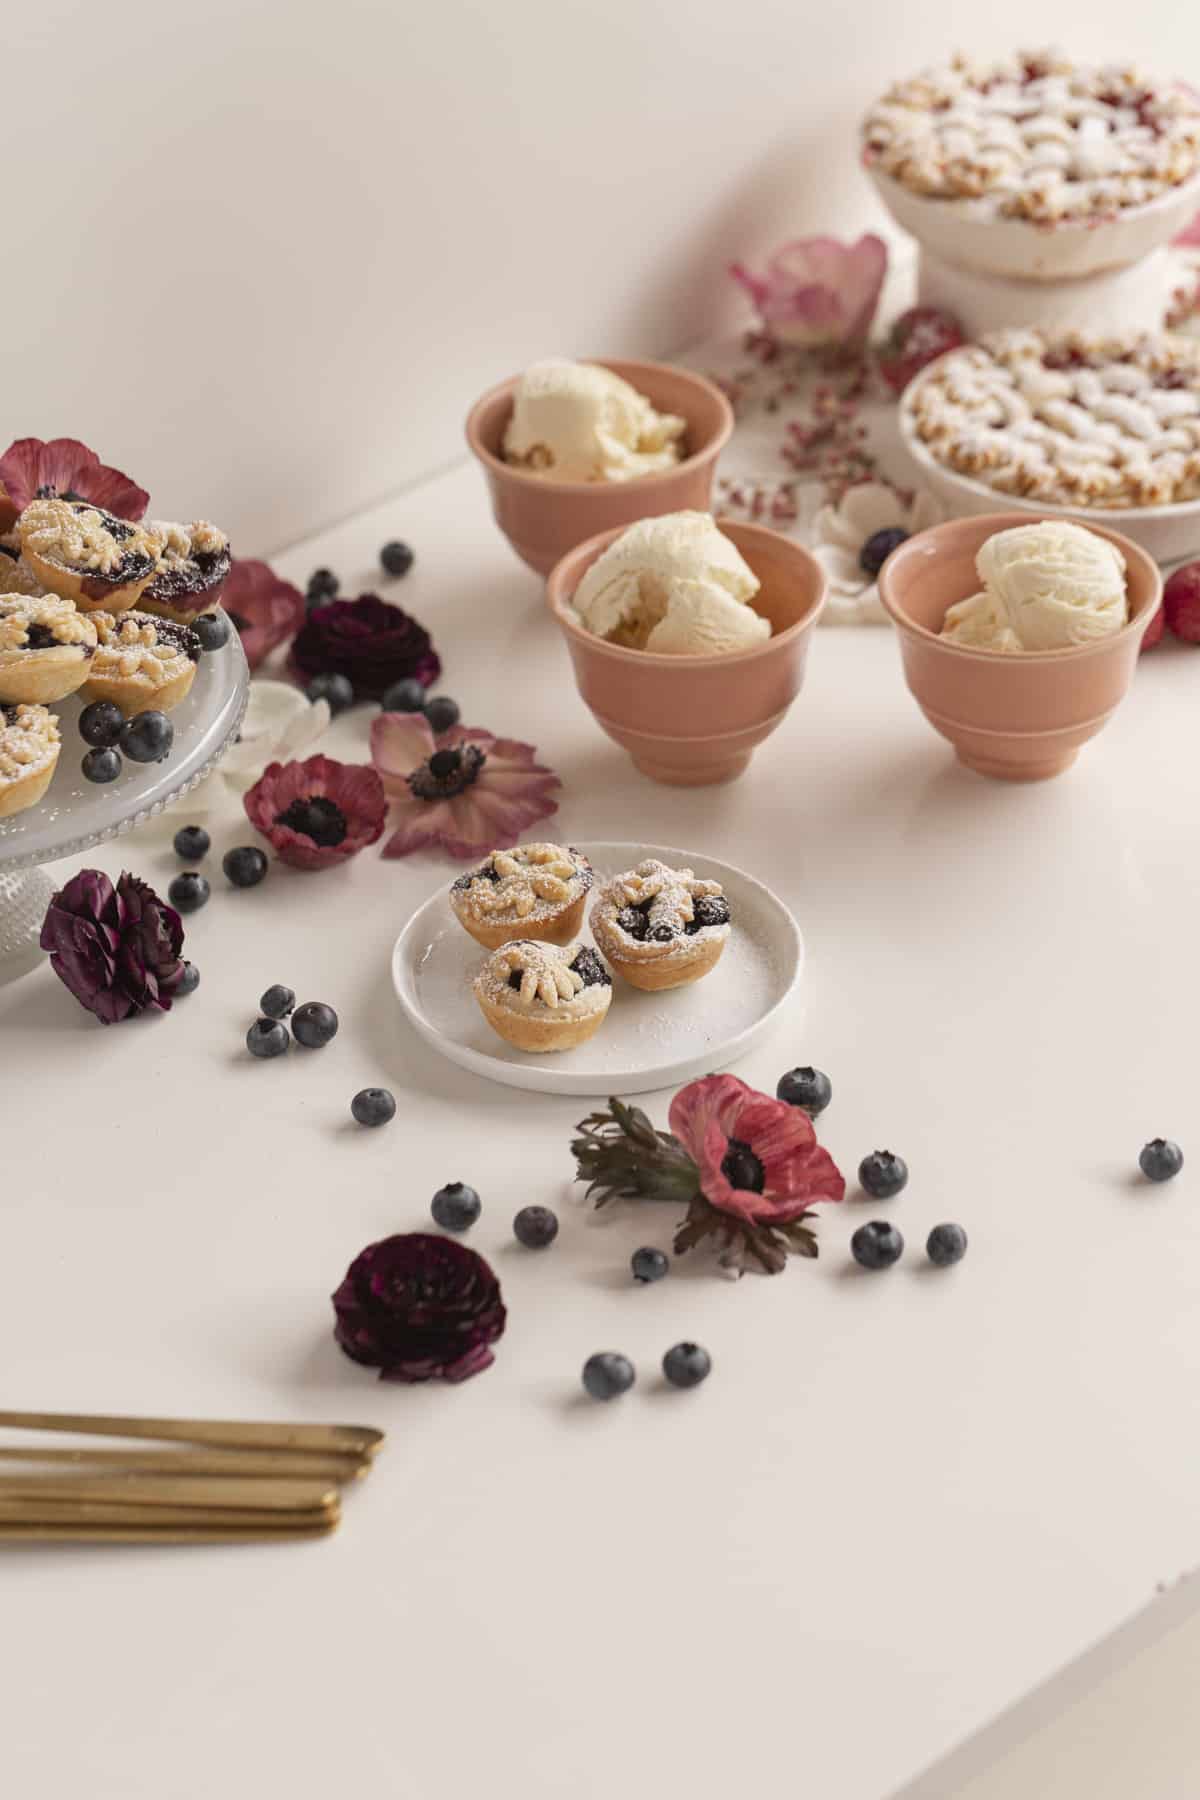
(709, 909)
(318, 818)
(179, 637)
(741, 1168)
(201, 571)
(487, 873)
(588, 965)
(40, 637)
(447, 773)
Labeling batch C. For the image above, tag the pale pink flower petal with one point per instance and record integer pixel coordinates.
(492, 811)
(400, 743)
(819, 293)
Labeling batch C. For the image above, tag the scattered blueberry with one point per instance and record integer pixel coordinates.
(649, 1264)
(277, 1002)
(100, 724)
(102, 765)
(314, 1024)
(245, 866)
(396, 558)
(807, 1087)
(946, 1245)
(456, 1206)
(608, 1374)
(189, 892)
(336, 689)
(322, 586)
(1160, 1159)
(442, 713)
(882, 1174)
(405, 696)
(267, 1037)
(147, 737)
(686, 1365)
(192, 843)
(213, 630)
(877, 1245)
(189, 981)
(535, 1227)
(879, 547)
(373, 1106)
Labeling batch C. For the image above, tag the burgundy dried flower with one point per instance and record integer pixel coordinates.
(415, 1305)
(117, 949)
(31, 468)
(369, 641)
(466, 791)
(317, 813)
(266, 609)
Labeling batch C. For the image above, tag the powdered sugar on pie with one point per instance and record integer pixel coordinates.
(527, 975)
(531, 883)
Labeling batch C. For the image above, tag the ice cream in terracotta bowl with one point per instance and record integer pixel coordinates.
(1019, 639)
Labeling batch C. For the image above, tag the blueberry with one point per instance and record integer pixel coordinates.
(189, 981)
(100, 724)
(877, 1245)
(662, 934)
(649, 1264)
(314, 1024)
(189, 892)
(192, 843)
(882, 1175)
(102, 765)
(441, 713)
(245, 866)
(686, 1365)
(608, 1374)
(147, 737)
(396, 558)
(946, 1245)
(267, 1037)
(709, 909)
(807, 1087)
(879, 547)
(373, 1106)
(535, 1227)
(213, 630)
(633, 922)
(336, 689)
(322, 586)
(1160, 1159)
(404, 696)
(277, 1002)
(456, 1206)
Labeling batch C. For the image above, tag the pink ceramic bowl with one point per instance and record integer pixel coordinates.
(1018, 717)
(544, 519)
(695, 720)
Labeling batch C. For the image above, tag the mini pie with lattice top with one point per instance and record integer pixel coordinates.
(544, 997)
(661, 927)
(86, 554)
(46, 648)
(535, 891)
(29, 748)
(142, 663)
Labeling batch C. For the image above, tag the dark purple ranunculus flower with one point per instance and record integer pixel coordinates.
(416, 1305)
(369, 641)
(116, 948)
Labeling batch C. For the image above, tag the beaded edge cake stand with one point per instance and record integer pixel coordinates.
(75, 815)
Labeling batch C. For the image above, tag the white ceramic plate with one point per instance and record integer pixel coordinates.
(648, 1040)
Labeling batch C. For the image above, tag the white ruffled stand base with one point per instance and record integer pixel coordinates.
(24, 897)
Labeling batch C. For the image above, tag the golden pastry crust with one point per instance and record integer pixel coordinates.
(646, 925)
(29, 750)
(46, 647)
(88, 555)
(141, 663)
(544, 998)
(535, 891)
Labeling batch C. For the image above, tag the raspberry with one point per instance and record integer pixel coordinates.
(917, 337)
(1181, 603)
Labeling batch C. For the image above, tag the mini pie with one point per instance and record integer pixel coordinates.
(46, 647)
(29, 747)
(87, 554)
(1077, 420)
(1035, 137)
(141, 663)
(535, 891)
(192, 570)
(544, 997)
(660, 927)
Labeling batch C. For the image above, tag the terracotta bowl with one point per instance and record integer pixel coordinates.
(544, 519)
(692, 721)
(1019, 717)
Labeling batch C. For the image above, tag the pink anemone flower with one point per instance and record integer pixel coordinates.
(818, 293)
(466, 791)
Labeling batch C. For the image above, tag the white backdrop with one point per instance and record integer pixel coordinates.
(263, 253)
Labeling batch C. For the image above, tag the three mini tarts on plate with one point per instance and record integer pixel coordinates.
(541, 989)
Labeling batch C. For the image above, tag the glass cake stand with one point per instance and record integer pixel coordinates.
(75, 814)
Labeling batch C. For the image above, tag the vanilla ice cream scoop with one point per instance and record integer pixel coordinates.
(579, 422)
(675, 585)
(1050, 586)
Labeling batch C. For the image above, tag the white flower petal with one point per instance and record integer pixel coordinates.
(871, 507)
(863, 608)
(830, 528)
(843, 569)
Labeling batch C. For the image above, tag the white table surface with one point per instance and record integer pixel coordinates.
(899, 1501)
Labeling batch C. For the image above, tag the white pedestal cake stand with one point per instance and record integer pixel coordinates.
(76, 814)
